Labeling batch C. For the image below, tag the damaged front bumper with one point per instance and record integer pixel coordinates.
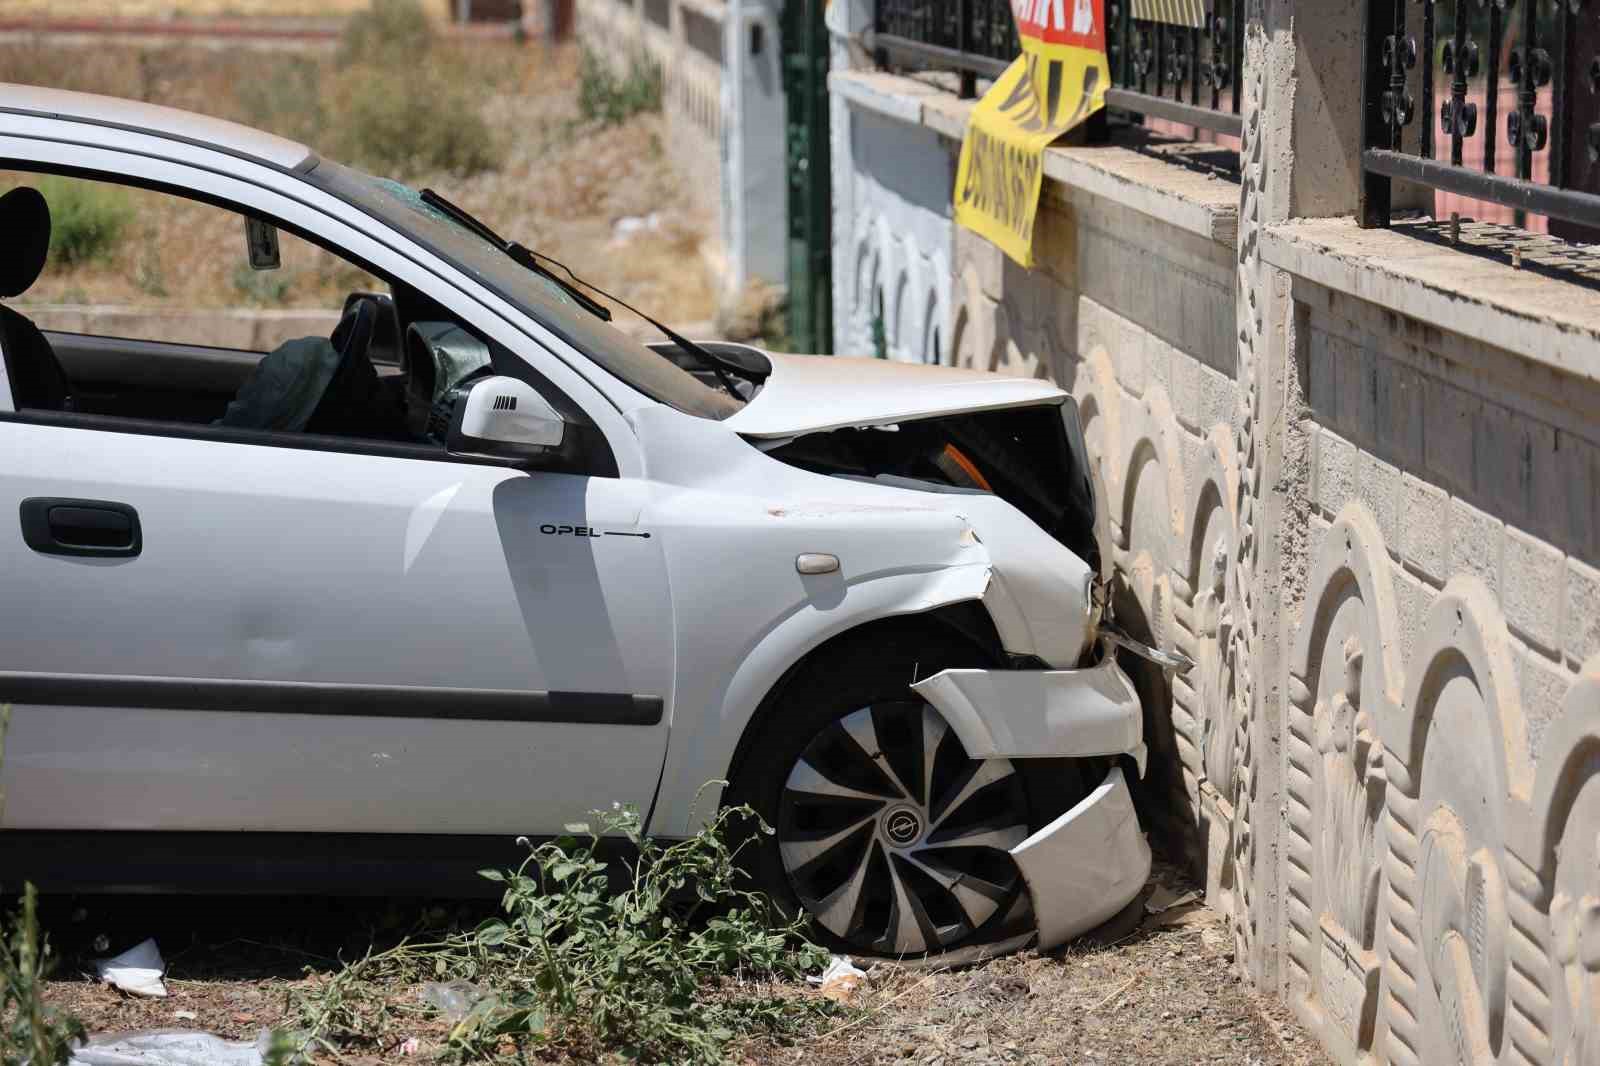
(1089, 863)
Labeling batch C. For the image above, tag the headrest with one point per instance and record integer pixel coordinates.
(25, 221)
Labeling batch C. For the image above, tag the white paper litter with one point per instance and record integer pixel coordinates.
(169, 1048)
(840, 978)
(137, 970)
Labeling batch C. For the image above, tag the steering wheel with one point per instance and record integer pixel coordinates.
(353, 377)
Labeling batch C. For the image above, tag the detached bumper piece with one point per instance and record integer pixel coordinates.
(1087, 865)
(1040, 714)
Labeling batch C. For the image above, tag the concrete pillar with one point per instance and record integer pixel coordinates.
(1300, 158)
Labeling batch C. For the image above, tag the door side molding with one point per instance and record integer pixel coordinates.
(321, 698)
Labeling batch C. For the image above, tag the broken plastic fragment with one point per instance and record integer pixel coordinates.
(453, 999)
(170, 1048)
(137, 970)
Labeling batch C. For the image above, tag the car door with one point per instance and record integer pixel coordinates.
(311, 640)
(315, 635)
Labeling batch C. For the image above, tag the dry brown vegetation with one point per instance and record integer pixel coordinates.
(79, 9)
(549, 179)
(1165, 992)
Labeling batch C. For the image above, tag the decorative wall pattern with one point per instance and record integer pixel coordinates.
(1427, 750)
(893, 248)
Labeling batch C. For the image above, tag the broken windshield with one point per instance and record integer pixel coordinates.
(539, 297)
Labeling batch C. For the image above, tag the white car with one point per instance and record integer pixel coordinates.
(369, 607)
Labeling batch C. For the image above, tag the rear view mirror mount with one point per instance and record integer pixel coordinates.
(261, 242)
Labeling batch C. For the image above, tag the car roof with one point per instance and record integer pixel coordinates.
(160, 121)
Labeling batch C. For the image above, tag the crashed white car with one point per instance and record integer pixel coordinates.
(374, 604)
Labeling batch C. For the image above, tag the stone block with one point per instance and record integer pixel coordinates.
(1186, 382)
(1543, 684)
(1358, 390)
(1477, 543)
(1399, 413)
(1533, 591)
(1217, 396)
(1055, 243)
(1322, 379)
(1313, 444)
(1580, 619)
(988, 262)
(1503, 446)
(1128, 356)
(1412, 599)
(1424, 528)
(1574, 494)
(1158, 358)
(1448, 418)
(1378, 486)
(1092, 330)
(1336, 472)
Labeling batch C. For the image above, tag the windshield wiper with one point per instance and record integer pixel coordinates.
(528, 258)
(519, 254)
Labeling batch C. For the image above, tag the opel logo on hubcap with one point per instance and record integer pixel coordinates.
(902, 826)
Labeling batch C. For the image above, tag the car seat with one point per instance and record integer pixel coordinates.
(37, 380)
(319, 385)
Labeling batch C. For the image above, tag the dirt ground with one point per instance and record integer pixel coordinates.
(1163, 991)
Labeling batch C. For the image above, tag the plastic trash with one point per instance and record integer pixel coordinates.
(170, 1048)
(453, 999)
(840, 979)
(137, 970)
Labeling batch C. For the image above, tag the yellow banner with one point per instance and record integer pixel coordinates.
(1058, 81)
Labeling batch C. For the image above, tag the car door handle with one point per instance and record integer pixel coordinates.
(59, 526)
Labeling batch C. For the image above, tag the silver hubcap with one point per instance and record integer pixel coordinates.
(893, 839)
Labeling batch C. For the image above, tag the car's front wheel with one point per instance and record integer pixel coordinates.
(888, 835)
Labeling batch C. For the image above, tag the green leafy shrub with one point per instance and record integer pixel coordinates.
(264, 288)
(611, 99)
(30, 1032)
(388, 31)
(288, 102)
(402, 121)
(585, 963)
(87, 218)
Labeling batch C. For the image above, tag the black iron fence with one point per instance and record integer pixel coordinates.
(974, 38)
(1185, 74)
(1494, 101)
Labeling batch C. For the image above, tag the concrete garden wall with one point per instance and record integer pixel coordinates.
(1356, 476)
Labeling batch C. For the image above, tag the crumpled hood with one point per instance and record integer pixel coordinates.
(812, 393)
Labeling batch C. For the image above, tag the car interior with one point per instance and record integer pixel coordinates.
(378, 376)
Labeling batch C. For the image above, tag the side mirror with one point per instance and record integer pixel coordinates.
(506, 419)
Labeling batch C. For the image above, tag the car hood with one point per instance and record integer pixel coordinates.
(813, 393)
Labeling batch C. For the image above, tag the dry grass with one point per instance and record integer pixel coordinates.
(1166, 993)
(560, 186)
(197, 8)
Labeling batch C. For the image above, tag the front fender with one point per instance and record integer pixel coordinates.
(702, 746)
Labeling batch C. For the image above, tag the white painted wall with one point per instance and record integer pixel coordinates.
(893, 249)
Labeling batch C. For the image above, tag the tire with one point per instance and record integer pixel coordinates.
(880, 868)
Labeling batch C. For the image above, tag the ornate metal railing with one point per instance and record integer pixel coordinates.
(1496, 101)
(975, 38)
(1185, 74)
